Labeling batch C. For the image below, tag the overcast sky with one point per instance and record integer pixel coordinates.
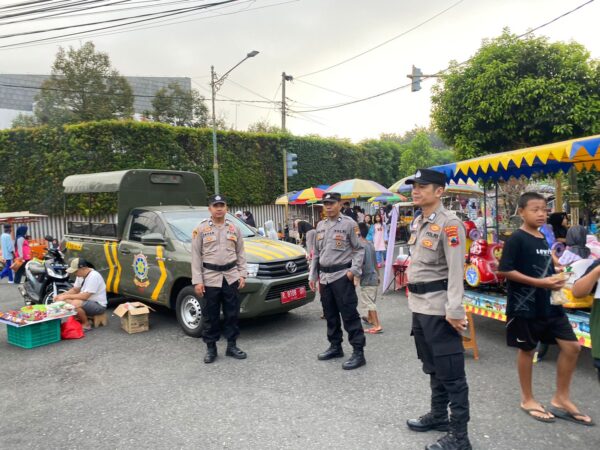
(304, 36)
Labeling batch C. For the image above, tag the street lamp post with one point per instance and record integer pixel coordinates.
(215, 84)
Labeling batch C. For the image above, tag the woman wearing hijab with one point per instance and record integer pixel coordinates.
(22, 251)
(559, 222)
(576, 248)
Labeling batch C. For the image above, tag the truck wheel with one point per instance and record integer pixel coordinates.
(188, 312)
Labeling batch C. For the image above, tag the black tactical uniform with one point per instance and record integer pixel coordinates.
(435, 275)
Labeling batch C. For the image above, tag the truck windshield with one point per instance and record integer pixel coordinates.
(182, 223)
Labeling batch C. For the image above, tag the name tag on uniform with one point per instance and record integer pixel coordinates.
(209, 238)
(339, 237)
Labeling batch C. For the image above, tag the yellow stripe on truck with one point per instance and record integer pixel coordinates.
(109, 263)
(265, 253)
(118, 277)
(255, 252)
(163, 273)
(282, 248)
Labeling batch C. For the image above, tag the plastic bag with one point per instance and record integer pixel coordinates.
(71, 329)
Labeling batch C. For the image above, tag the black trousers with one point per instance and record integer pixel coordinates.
(215, 298)
(440, 348)
(339, 302)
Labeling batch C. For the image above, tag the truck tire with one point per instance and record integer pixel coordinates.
(188, 312)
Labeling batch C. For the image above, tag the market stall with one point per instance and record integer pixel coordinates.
(567, 156)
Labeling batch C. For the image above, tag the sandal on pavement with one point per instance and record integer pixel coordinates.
(374, 331)
(530, 411)
(575, 417)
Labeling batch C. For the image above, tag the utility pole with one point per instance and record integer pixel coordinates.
(284, 78)
(213, 82)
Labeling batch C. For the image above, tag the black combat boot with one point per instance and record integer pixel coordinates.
(334, 351)
(234, 351)
(356, 360)
(429, 422)
(456, 439)
(211, 352)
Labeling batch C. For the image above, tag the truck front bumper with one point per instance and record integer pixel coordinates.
(262, 296)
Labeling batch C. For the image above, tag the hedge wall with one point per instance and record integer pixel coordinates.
(36, 160)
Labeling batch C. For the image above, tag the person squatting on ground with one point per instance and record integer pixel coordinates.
(435, 274)
(218, 272)
(369, 283)
(531, 318)
(88, 294)
(336, 272)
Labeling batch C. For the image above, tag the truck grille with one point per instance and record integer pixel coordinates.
(275, 292)
(278, 269)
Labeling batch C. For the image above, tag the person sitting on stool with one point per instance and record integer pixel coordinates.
(88, 294)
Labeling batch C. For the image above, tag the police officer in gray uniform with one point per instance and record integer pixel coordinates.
(435, 274)
(335, 271)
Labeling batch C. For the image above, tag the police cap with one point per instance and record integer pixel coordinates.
(331, 197)
(215, 199)
(428, 176)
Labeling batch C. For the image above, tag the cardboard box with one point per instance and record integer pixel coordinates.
(134, 316)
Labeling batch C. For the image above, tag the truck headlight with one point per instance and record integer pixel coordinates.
(252, 270)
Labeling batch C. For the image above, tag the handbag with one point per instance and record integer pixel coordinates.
(17, 263)
(71, 329)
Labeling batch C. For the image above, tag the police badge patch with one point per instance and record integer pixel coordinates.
(452, 235)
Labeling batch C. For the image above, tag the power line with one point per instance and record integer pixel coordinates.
(73, 91)
(404, 33)
(325, 89)
(340, 105)
(127, 29)
(177, 12)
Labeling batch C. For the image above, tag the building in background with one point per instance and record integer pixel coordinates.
(18, 91)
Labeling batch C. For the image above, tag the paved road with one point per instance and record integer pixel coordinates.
(151, 390)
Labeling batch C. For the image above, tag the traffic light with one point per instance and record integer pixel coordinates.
(416, 77)
(292, 163)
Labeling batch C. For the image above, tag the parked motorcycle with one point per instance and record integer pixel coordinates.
(47, 278)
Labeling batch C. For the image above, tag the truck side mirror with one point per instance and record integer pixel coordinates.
(154, 239)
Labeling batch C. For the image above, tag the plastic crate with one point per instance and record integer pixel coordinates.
(36, 335)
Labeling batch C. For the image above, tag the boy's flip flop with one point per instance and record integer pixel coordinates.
(529, 412)
(374, 331)
(575, 417)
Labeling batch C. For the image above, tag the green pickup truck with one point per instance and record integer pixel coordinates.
(146, 254)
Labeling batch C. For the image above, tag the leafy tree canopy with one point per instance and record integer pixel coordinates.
(83, 87)
(179, 107)
(516, 93)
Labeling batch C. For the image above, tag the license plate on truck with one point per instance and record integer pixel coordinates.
(293, 295)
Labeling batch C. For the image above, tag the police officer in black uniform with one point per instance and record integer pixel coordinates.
(435, 274)
(336, 270)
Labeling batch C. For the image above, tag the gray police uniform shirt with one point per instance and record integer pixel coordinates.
(218, 245)
(437, 248)
(337, 243)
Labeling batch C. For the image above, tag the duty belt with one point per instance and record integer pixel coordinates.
(429, 286)
(336, 268)
(218, 268)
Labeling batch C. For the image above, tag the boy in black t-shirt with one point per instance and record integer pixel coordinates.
(527, 265)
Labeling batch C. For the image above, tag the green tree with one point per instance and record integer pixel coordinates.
(379, 161)
(24, 121)
(263, 126)
(416, 154)
(83, 87)
(516, 93)
(179, 107)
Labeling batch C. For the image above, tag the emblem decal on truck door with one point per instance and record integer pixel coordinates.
(140, 269)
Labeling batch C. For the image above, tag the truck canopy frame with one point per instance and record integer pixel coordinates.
(141, 187)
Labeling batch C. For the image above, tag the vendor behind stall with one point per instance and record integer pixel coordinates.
(88, 294)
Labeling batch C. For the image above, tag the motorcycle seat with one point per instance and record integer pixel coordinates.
(36, 269)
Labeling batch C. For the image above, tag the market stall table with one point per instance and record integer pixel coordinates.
(35, 333)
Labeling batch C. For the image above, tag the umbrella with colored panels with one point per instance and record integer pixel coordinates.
(357, 188)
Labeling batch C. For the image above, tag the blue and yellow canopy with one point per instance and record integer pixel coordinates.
(550, 158)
